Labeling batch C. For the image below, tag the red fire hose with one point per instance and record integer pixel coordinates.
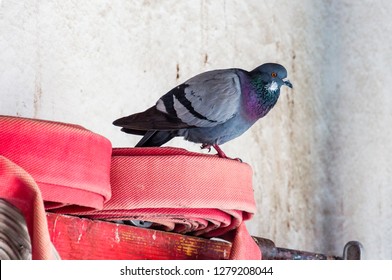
(78, 172)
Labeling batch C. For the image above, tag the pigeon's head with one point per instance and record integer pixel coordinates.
(273, 75)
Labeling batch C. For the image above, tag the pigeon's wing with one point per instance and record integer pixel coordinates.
(205, 100)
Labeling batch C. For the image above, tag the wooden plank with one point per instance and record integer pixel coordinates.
(80, 238)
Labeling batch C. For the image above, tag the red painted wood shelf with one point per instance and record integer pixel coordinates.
(84, 239)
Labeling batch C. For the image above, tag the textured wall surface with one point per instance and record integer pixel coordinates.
(321, 158)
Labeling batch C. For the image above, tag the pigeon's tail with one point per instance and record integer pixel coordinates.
(156, 127)
(151, 119)
(154, 138)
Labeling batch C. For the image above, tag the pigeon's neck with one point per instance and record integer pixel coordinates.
(258, 96)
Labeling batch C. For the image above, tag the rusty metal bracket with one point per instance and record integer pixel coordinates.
(353, 250)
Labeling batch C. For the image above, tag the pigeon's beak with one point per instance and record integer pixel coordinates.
(288, 83)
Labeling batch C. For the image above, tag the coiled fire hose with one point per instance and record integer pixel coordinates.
(64, 168)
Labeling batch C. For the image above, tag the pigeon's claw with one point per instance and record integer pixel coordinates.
(206, 146)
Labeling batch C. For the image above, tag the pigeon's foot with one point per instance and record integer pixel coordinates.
(221, 154)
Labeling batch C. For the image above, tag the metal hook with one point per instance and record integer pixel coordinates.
(353, 250)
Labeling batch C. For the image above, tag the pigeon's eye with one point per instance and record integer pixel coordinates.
(273, 75)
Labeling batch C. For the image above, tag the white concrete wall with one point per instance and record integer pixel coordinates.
(322, 158)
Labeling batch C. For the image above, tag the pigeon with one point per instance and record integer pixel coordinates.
(210, 108)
